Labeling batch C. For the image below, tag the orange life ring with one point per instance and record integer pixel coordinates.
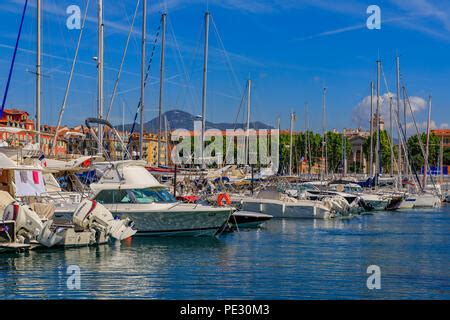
(221, 197)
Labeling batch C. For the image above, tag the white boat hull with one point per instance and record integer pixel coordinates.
(427, 201)
(176, 222)
(280, 209)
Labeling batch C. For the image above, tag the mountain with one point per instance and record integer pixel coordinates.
(178, 119)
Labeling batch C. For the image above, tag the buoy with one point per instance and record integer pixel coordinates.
(221, 197)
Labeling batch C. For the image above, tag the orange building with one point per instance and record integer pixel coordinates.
(443, 134)
(24, 132)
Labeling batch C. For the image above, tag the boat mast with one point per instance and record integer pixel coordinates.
(371, 131)
(306, 133)
(427, 147)
(205, 73)
(408, 171)
(324, 141)
(166, 135)
(391, 133)
(249, 85)
(161, 84)
(100, 74)
(143, 41)
(441, 161)
(38, 71)
(399, 155)
(290, 142)
(378, 159)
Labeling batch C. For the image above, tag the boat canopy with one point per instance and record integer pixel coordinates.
(127, 174)
(80, 164)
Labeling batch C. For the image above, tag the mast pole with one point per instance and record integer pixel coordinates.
(249, 85)
(205, 73)
(161, 84)
(441, 161)
(143, 42)
(290, 143)
(100, 74)
(324, 141)
(306, 134)
(407, 164)
(371, 130)
(427, 147)
(391, 133)
(378, 161)
(38, 71)
(399, 155)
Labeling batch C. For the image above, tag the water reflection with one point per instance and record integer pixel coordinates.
(286, 259)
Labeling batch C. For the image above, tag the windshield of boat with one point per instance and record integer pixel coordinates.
(304, 187)
(146, 195)
(352, 188)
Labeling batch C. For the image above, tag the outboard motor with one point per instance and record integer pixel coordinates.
(28, 223)
(92, 224)
(91, 214)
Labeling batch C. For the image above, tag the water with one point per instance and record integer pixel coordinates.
(287, 259)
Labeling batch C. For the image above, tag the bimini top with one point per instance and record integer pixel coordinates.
(80, 164)
(127, 174)
(9, 164)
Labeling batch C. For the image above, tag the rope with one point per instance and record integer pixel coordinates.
(116, 83)
(66, 94)
(13, 59)
(422, 149)
(145, 83)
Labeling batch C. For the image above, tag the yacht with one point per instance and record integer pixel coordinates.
(280, 205)
(371, 201)
(128, 190)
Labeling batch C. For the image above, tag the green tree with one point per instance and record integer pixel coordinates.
(417, 159)
(385, 150)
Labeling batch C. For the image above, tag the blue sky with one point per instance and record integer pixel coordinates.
(290, 49)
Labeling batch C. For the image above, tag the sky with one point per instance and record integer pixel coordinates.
(290, 49)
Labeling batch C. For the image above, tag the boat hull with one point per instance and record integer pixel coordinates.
(427, 201)
(177, 223)
(279, 209)
(245, 219)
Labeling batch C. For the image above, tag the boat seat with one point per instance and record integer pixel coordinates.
(5, 200)
(44, 210)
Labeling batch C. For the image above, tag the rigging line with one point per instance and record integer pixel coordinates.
(116, 83)
(419, 138)
(227, 58)
(196, 51)
(391, 143)
(69, 81)
(402, 141)
(244, 94)
(13, 59)
(410, 165)
(183, 65)
(147, 74)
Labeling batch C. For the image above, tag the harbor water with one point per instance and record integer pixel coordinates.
(284, 259)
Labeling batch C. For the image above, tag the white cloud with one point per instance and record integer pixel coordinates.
(361, 113)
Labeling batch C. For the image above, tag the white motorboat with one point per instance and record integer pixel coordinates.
(427, 200)
(128, 190)
(280, 205)
(246, 219)
(408, 202)
(371, 201)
